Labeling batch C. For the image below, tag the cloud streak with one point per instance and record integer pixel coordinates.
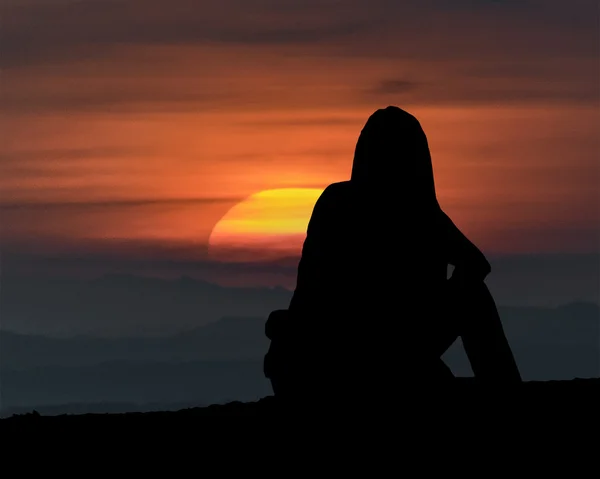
(121, 56)
(115, 204)
(145, 120)
(515, 279)
(54, 30)
(57, 31)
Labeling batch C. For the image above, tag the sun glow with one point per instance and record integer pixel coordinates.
(268, 224)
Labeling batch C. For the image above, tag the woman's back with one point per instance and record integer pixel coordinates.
(377, 248)
(361, 258)
(364, 291)
(372, 302)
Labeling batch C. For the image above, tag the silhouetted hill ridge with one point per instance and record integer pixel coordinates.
(106, 407)
(126, 305)
(177, 369)
(135, 382)
(240, 338)
(117, 305)
(229, 338)
(581, 391)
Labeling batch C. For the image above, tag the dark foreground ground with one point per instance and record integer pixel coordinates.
(578, 397)
(540, 423)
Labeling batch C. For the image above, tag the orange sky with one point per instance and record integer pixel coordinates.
(123, 123)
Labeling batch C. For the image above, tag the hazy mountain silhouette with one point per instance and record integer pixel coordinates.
(126, 305)
(204, 382)
(227, 339)
(102, 408)
(564, 402)
(575, 326)
(549, 343)
(222, 361)
(129, 305)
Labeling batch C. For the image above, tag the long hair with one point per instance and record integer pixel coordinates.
(392, 158)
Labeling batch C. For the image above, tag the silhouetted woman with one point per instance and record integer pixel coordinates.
(373, 305)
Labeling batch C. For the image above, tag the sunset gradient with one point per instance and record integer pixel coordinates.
(144, 135)
(267, 225)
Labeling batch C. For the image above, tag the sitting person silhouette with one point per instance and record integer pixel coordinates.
(373, 305)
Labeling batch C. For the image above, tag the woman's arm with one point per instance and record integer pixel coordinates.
(469, 262)
(310, 283)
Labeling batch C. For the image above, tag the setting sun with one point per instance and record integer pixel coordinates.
(271, 223)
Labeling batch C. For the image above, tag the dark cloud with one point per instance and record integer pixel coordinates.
(295, 122)
(58, 31)
(113, 204)
(37, 160)
(495, 89)
(86, 96)
(457, 40)
(386, 87)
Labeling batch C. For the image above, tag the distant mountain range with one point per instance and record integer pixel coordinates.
(576, 325)
(101, 408)
(571, 402)
(222, 360)
(121, 305)
(139, 383)
(229, 339)
(548, 343)
(126, 305)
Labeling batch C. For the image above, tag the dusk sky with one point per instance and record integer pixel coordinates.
(130, 128)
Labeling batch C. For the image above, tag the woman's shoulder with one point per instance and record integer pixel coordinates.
(335, 193)
(446, 226)
(341, 187)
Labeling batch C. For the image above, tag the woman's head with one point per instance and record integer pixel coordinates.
(392, 157)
